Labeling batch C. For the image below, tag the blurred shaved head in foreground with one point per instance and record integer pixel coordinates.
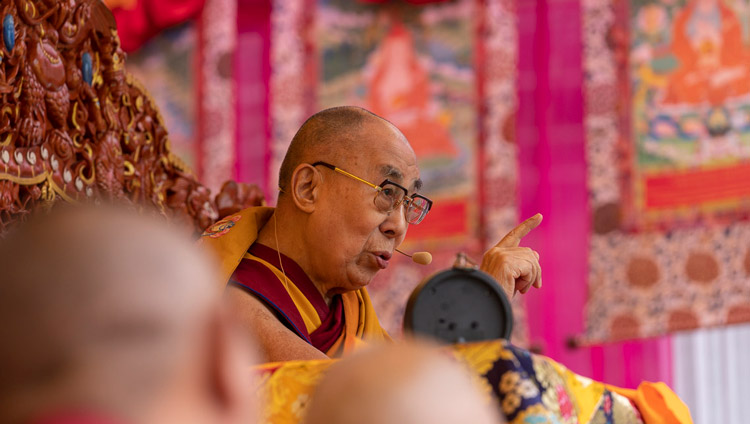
(407, 383)
(108, 314)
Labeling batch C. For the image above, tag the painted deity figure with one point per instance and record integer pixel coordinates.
(399, 90)
(713, 61)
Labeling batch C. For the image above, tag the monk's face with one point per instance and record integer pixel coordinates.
(356, 238)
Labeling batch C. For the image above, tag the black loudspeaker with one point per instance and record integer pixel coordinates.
(459, 305)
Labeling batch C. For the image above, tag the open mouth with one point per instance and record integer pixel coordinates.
(382, 259)
(384, 255)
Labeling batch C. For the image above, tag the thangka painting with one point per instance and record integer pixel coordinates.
(689, 89)
(165, 66)
(444, 73)
(668, 150)
(414, 66)
(187, 67)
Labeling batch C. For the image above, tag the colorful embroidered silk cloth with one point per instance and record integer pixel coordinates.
(668, 146)
(527, 388)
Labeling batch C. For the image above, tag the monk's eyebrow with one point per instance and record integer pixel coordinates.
(392, 173)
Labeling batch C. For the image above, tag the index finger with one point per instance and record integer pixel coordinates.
(513, 238)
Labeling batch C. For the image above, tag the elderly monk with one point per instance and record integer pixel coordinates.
(106, 317)
(348, 192)
(405, 383)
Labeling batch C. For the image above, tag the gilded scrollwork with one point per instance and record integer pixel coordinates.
(75, 126)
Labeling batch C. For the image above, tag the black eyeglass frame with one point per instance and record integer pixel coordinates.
(379, 188)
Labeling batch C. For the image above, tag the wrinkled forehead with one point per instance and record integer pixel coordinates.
(382, 152)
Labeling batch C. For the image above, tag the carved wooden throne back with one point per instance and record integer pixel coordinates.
(75, 126)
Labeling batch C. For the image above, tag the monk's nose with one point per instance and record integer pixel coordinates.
(395, 224)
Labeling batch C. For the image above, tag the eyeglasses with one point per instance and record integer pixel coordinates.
(390, 195)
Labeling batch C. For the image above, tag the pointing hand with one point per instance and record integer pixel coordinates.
(515, 268)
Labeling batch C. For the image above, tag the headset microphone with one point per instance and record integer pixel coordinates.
(422, 258)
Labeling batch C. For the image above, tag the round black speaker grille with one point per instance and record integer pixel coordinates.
(459, 305)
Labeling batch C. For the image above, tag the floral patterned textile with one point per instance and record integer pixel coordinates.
(527, 388)
(535, 389)
(667, 189)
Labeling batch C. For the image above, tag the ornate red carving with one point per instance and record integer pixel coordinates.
(74, 125)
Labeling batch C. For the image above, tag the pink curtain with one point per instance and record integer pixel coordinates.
(553, 182)
(252, 71)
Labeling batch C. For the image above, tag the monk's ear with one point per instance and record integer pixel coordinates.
(230, 377)
(305, 187)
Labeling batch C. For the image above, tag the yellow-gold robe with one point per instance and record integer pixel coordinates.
(335, 329)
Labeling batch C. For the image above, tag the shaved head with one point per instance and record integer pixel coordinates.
(406, 383)
(99, 309)
(328, 135)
